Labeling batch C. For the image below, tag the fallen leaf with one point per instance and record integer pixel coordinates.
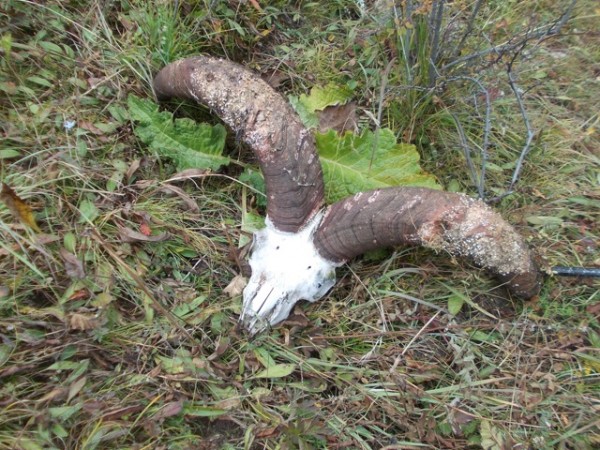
(169, 410)
(95, 82)
(79, 295)
(145, 229)
(236, 286)
(117, 413)
(220, 348)
(228, 403)
(83, 322)
(256, 6)
(134, 166)
(73, 266)
(267, 432)
(189, 201)
(19, 209)
(340, 118)
(128, 235)
(274, 78)
(90, 127)
(75, 388)
(52, 395)
(189, 173)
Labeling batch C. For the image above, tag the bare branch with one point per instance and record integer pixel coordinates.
(480, 183)
(530, 133)
(540, 33)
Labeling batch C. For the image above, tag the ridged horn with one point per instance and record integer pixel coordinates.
(265, 121)
(440, 220)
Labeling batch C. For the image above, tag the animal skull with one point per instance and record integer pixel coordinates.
(295, 256)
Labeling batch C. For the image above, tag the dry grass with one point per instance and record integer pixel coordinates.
(108, 343)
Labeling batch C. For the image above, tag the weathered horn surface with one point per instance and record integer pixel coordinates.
(440, 220)
(265, 121)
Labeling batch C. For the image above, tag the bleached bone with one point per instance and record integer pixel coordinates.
(295, 256)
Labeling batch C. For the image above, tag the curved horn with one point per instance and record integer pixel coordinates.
(435, 219)
(265, 122)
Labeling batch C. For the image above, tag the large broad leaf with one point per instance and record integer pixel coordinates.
(187, 143)
(319, 98)
(372, 160)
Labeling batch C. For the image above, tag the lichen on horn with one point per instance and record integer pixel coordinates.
(294, 257)
(439, 220)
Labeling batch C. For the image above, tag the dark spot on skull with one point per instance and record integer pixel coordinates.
(210, 77)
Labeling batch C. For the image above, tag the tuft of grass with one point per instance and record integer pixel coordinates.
(115, 330)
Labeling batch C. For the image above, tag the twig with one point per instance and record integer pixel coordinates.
(437, 13)
(541, 33)
(467, 152)
(530, 133)
(486, 135)
(384, 80)
(469, 29)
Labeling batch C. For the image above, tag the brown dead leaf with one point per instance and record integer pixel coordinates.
(76, 387)
(79, 295)
(127, 24)
(169, 410)
(274, 78)
(40, 240)
(90, 127)
(94, 82)
(83, 322)
(189, 173)
(340, 118)
(93, 406)
(128, 235)
(220, 348)
(228, 403)
(133, 167)
(267, 432)
(145, 229)
(54, 394)
(19, 209)
(256, 6)
(593, 309)
(236, 286)
(73, 266)
(189, 201)
(115, 414)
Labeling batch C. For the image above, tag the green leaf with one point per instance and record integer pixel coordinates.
(70, 242)
(188, 144)
(322, 97)
(263, 355)
(353, 163)
(88, 211)
(455, 304)
(193, 409)
(41, 81)
(9, 153)
(255, 180)
(184, 309)
(319, 98)
(64, 412)
(276, 371)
